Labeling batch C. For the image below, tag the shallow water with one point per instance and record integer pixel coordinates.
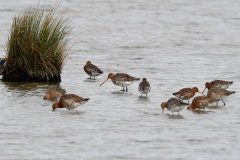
(175, 44)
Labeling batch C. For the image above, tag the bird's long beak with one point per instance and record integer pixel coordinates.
(104, 82)
(202, 93)
(162, 110)
(204, 89)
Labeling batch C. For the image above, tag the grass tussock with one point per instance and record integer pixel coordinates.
(37, 45)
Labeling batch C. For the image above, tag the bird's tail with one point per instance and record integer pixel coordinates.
(136, 79)
(86, 99)
(100, 72)
(190, 107)
(231, 82)
(230, 92)
(175, 94)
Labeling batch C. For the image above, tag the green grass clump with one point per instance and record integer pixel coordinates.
(37, 45)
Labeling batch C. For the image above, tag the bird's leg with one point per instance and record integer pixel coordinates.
(223, 102)
(123, 89)
(188, 101)
(126, 89)
(146, 94)
(217, 103)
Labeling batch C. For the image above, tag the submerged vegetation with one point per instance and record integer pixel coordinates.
(37, 46)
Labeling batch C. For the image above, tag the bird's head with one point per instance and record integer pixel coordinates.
(163, 106)
(88, 62)
(55, 105)
(46, 97)
(110, 75)
(207, 86)
(195, 89)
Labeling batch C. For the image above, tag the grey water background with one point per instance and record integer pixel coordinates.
(174, 43)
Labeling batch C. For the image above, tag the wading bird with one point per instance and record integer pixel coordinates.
(186, 93)
(200, 102)
(121, 79)
(53, 93)
(217, 84)
(174, 105)
(92, 70)
(217, 94)
(69, 101)
(144, 87)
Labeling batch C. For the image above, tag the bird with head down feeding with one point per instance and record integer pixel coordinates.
(174, 105)
(69, 101)
(53, 93)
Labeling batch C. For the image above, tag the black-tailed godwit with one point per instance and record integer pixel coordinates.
(218, 94)
(92, 70)
(144, 87)
(69, 101)
(174, 105)
(199, 102)
(121, 79)
(217, 84)
(53, 93)
(186, 93)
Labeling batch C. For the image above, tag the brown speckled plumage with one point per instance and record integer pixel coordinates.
(186, 93)
(69, 101)
(199, 102)
(92, 70)
(174, 105)
(218, 94)
(53, 93)
(121, 79)
(217, 84)
(144, 87)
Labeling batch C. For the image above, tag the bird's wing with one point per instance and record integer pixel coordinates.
(183, 92)
(121, 76)
(93, 68)
(130, 78)
(174, 102)
(68, 99)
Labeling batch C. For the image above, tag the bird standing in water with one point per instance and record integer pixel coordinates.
(92, 70)
(121, 79)
(218, 94)
(200, 102)
(174, 105)
(217, 84)
(69, 101)
(53, 93)
(186, 93)
(144, 87)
